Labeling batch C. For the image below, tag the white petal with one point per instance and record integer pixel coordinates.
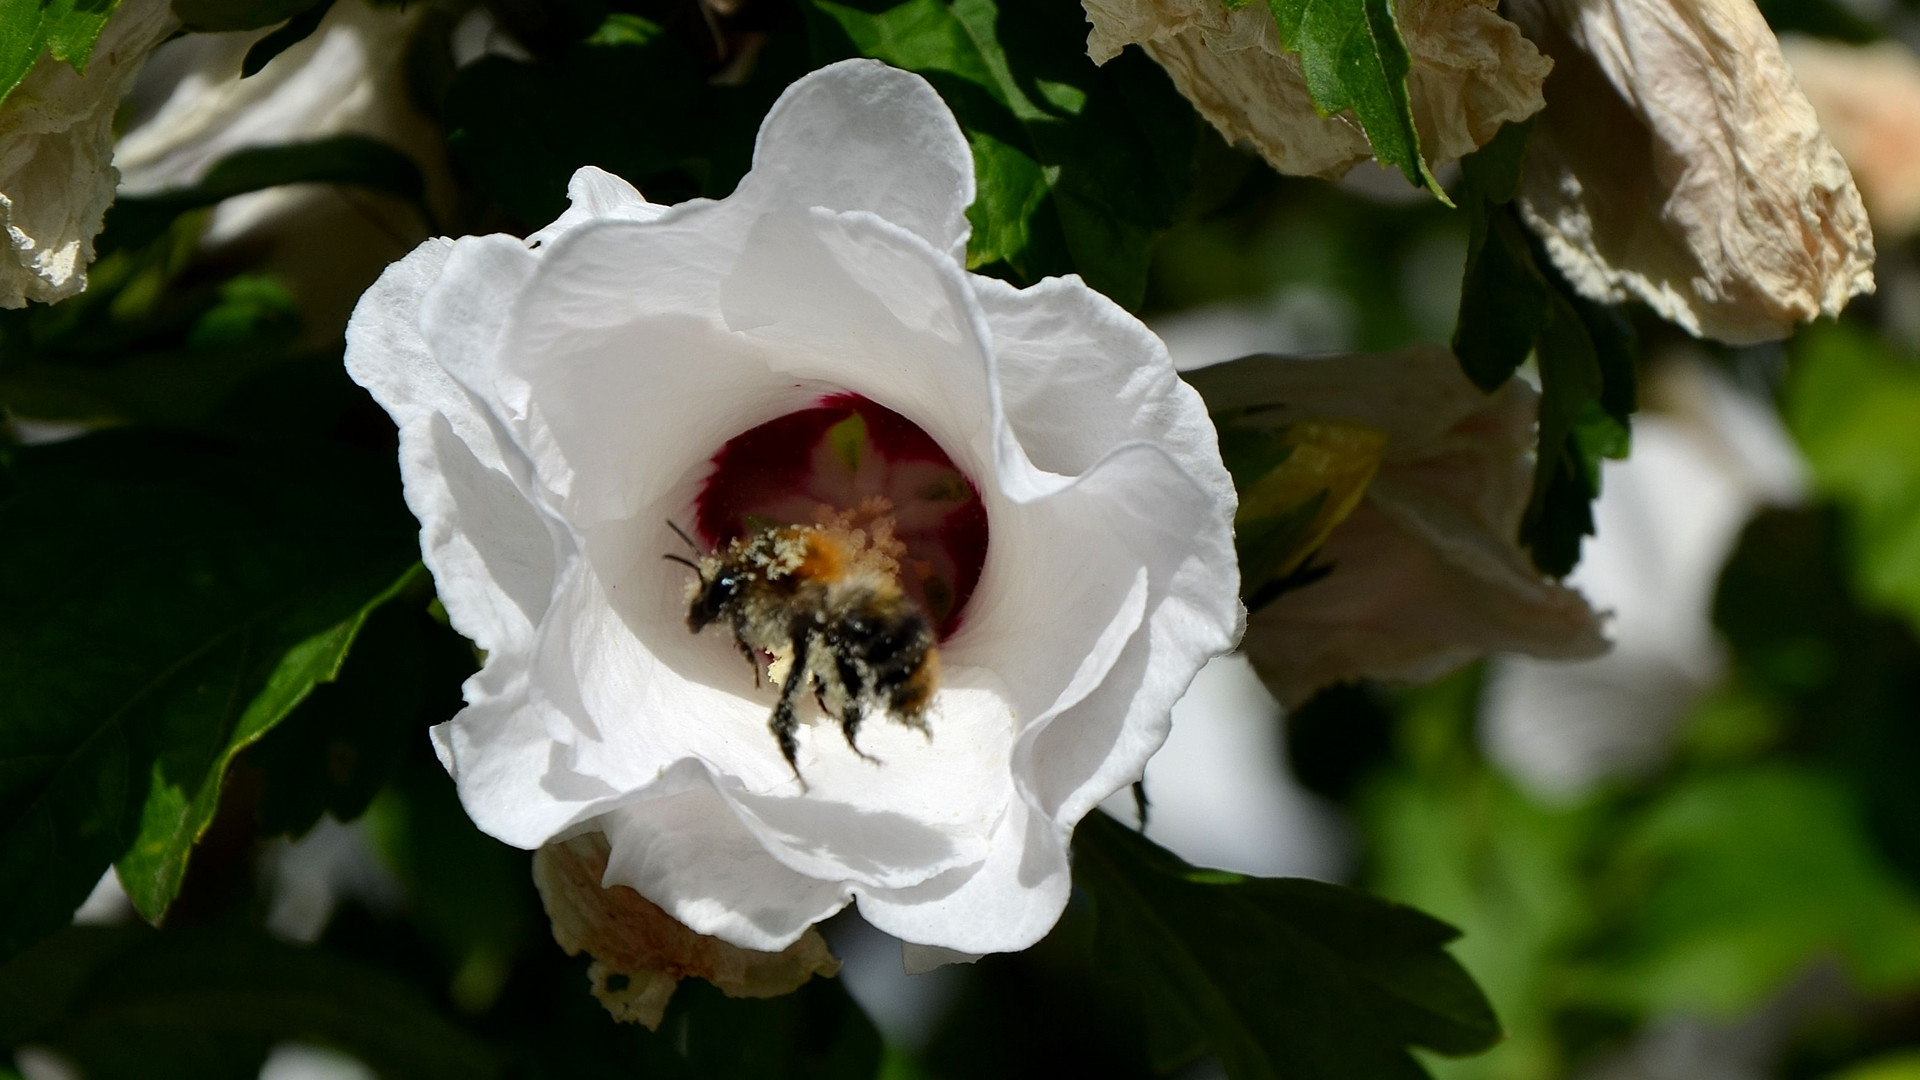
(492, 555)
(512, 777)
(56, 141)
(597, 195)
(1666, 521)
(1677, 163)
(682, 848)
(859, 135)
(1007, 903)
(1079, 376)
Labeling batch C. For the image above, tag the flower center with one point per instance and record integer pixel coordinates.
(853, 463)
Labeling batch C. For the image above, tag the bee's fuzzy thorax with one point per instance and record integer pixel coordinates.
(828, 596)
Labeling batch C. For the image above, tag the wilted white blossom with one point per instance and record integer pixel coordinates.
(1471, 71)
(562, 399)
(1868, 101)
(1426, 572)
(56, 145)
(1678, 164)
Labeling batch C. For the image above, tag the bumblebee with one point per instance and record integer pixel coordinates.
(826, 598)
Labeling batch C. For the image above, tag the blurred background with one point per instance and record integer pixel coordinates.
(1695, 858)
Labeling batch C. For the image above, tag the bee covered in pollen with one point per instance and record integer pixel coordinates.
(825, 599)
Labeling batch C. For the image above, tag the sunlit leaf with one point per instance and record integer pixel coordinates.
(164, 601)
(62, 29)
(1353, 58)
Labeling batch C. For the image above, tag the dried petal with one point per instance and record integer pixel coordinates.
(1472, 71)
(640, 953)
(1677, 163)
(56, 149)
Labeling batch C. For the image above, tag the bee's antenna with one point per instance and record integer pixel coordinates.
(682, 534)
(686, 562)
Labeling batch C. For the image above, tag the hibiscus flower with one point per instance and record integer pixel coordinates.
(810, 346)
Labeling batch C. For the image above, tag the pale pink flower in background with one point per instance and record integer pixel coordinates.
(1427, 573)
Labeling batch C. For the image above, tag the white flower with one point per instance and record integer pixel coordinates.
(1470, 72)
(1426, 572)
(561, 400)
(1868, 101)
(56, 138)
(1678, 164)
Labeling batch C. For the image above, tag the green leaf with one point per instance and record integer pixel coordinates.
(1734, 883)
(1454, 838)
(62, 29)
(130, 1002)
(1077, 166)
(338, 159)
(1353, 58)
(177, 813)
(1851, 403)
(164, 601)
(1513, 303)
(1276, 977)
(336, 750)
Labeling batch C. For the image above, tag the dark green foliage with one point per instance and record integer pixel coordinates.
(1354, 59)
(1851, 401)
(1514, 303)
(1077, 166)
(238, 14)
(1842, 684)
(521, 130)
(1274, 977)
(166, 601)
(128, 1003)
(342, 744)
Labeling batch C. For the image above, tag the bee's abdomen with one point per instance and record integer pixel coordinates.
(894, 644)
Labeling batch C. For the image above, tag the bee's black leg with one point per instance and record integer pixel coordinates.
(854, 688)
(784, 722)
(752, 655)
